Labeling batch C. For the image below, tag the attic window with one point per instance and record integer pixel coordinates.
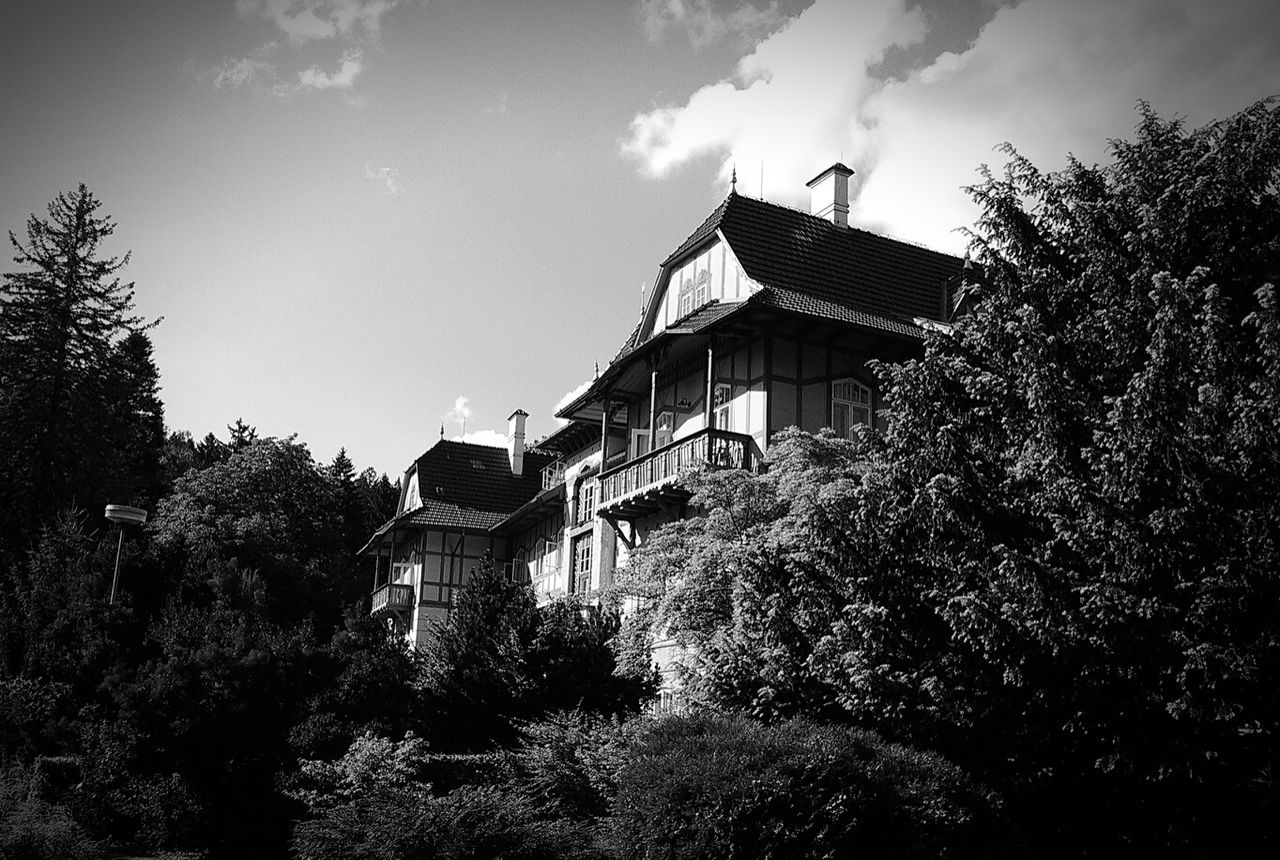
(476, 464)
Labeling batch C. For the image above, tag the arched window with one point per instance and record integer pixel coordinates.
(850, 406)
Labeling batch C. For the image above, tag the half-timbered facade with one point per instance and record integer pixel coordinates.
(765, 317)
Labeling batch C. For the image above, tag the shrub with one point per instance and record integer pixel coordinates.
(33, 828)
(728, 787)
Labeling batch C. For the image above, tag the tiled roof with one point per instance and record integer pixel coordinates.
(788, 250)
(808, 265)
(478, 476)
(441, 514)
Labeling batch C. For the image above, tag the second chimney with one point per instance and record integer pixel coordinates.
(829, 194)
(515, 440)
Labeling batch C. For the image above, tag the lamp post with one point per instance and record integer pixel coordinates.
(122, 515)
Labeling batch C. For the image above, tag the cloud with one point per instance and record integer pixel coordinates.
(349, 65)
(235, 72)
(703, 24)
(460, 414)
(352, 23)
(1052, 78)
(570, 396)
(258, 70)
(389, 177)
(1049, 77)
(788, 104)
(498, 107)
(305, 20)
(492, 438)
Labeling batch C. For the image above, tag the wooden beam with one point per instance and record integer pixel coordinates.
(653, 403)
(711, 366)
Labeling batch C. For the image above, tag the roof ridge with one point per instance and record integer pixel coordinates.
(704, 229)
(911, 242)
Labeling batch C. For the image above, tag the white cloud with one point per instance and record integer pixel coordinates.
(1049, 77)
(348, 22)
(388, 177)
(789, 102)
(235, 72)
(570, 396)
(1053, 78)
(498, 107)
(460, 414)
(492, 438)
(349, 65)
(258, 70)
(703, 23)
(304, 20)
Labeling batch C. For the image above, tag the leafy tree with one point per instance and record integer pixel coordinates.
(1058, 562)
(499, 658)
(268, 507)
(63, 315)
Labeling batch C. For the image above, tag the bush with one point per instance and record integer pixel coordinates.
(32, 828)
(728, 787)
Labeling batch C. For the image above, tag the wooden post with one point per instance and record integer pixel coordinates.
(604, 433)
(707, 408)
(653, 403)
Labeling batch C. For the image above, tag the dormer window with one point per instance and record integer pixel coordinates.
(694, 280)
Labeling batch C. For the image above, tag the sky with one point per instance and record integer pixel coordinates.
(360, 220)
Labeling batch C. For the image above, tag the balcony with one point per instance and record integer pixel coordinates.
(644, 485)
(553, 475)
(392, 598)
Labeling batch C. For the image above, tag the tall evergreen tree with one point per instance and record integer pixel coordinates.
(62, 315)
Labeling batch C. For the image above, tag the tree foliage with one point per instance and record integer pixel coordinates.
(1059, 561)
(499, 659)
(711, 786)
(77, 384)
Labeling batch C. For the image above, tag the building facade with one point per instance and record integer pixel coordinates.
(765, 317)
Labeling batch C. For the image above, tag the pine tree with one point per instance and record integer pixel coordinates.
(62, 316)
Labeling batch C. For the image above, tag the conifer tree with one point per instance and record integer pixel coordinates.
(63, 314)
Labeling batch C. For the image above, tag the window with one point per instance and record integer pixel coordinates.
(686, 298)
(666, 428)
(722, 406)
(585, 506)
(547, 558)
(582, 563)
(639, 443)
(850, 406)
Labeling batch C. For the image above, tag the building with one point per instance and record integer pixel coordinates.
(765, 317)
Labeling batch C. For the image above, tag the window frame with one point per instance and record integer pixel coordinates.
(860, 400)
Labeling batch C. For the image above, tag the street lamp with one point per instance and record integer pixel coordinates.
(122, 515)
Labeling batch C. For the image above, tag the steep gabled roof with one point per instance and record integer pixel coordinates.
(789, 251)
(478, 476)
(808, 265)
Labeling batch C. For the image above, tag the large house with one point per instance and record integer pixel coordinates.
(765, 317)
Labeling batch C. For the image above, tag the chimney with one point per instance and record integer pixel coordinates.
(829, 194)
(515, 440)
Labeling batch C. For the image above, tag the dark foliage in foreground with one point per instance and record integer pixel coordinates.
(713, 786)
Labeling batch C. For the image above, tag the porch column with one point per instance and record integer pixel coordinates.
(706, 404)
(653, 404)
(604, 433)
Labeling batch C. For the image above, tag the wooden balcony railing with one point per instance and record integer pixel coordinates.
(716, 448)
(393, 598)
(553, 475)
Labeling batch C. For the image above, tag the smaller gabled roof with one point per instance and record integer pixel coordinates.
(439, 514)
(478, 476)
